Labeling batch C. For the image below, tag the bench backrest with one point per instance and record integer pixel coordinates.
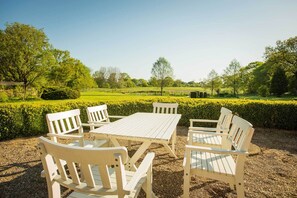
(240, 134)
(83, 164)
(224, 120)
(64, 122)
(98, 113)
(165, 108)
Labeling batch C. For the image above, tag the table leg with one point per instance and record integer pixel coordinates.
(131, 163)
(167, 147)
(129, 145)
(115, 142)
(145, 190)
(173, 141)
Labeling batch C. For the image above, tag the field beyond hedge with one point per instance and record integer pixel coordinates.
(19, 119)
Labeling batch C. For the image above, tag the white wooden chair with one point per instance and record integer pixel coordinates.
(213, 137)
(93, 172)
(167, 108)
(99, 115)
(221, 164)
(61, 124)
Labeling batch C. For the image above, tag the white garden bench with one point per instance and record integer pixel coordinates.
(99, 115)
(167, 108)
(62, 124)
(93, 172)
(221, 164)
(213, 137)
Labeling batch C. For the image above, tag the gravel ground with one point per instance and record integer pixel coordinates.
(271, 173)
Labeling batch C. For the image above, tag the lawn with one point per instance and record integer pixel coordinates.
(147, 93)
(270, 173)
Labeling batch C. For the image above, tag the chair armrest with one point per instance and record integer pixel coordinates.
(75, 137)
(225, 130)
(203, 120)
(141, 171)
(208, 133)
(215, 150)
(202, 129)
(95, 124)
(113, 116)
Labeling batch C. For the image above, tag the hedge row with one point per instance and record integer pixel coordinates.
(28, 119)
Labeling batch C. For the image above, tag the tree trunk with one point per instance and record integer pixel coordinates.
(25, 91)
(162, 83)
(234, 87)
(212, 85)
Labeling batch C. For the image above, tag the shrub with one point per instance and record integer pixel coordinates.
(3, 96)
(28, 119)
(263, 91)
(193, 94)
(58, 93)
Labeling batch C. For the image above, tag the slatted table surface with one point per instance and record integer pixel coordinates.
(144, 127)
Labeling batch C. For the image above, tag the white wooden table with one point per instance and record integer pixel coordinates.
(147, 128)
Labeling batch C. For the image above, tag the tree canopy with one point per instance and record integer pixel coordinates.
(162, 69)
(232, 77)
(279, 83)
(27, 56)
(213, 81)
(24, 54)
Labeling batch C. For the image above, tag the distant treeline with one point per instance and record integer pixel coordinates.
(27, 56)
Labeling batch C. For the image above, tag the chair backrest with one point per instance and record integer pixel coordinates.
(98, 114)
(165, 108)
(64, 122)
(224, 120)
(240, 134)
(83, 164)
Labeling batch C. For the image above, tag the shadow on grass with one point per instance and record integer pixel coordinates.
(22, 180)
(275, 139)
(4, 170)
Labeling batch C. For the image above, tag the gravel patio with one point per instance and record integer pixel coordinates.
(270, 173)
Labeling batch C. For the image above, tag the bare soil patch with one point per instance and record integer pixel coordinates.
(271, 173)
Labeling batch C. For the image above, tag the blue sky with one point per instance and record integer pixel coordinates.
(194, 36)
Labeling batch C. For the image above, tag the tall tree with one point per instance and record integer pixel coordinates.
(279, 83)
(213, 81)
(100, 77)
(125, 81)
(248, 77)
(162, 69)
(24, 54)
(178, 83)
(153, 82)
(114, 76)
(69, 72)
(284, 55)
(232, 76)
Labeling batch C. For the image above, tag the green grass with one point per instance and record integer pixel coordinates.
(143, 93)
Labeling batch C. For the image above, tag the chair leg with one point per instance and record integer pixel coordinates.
(240, 189)
(129, 145)
(149, 181)
(187, 178)
(173, 141)
(231, 186)
(54, 190)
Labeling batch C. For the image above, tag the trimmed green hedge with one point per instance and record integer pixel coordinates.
(28, 119)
